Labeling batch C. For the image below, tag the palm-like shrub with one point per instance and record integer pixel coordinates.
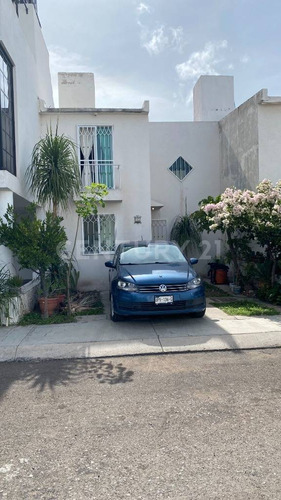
(186, 234)
(53, 175)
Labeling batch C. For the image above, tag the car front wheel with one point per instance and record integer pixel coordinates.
(113, 316)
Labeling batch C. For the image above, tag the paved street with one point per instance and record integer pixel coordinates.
(176, 426)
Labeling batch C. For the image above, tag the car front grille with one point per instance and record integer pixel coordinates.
(155, 288)
(151, 306)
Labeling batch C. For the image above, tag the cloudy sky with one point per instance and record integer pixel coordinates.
(157, 49)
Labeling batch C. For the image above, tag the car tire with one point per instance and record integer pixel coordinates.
(113, 316)
(198, 314)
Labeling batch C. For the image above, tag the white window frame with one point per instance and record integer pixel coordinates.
(95, 127)
(187, 175)
(100, 252)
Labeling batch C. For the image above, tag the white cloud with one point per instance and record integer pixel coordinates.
(158, 41)
(113, 92)
(143, 8)
(162, 38)
(245, 59)
(203, 62)
(177, 38)
(110, 92)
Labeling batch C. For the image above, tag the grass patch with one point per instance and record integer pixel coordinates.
(214, 291)
(35, 318)
(245, 308)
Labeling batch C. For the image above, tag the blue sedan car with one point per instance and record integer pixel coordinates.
(151, 278)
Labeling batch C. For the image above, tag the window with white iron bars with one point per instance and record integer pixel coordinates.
(96, 155)
(99, 234)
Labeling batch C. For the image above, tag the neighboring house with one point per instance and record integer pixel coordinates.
(24, 77)
(154, 171)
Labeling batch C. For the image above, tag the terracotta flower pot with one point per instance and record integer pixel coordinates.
(52, 304)
(61, 297)
(221, 277)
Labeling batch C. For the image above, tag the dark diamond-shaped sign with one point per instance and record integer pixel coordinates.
(180, 168)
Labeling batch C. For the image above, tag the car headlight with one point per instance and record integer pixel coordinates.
(127, 286)
(194, 283)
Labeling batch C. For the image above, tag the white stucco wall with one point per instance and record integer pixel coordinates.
(213, 97)
(269, 142)
(22, 39)
(131, 153)
(76, 90)
(198, 144)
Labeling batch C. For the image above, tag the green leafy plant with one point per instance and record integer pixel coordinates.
(185, 233)
(7, 291)
(53, 175)
(270, 293)
(35, 318)
(15, 281)
(245, 216)
(89, 200)
(34, 242)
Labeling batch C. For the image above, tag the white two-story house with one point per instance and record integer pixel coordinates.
(154, 171)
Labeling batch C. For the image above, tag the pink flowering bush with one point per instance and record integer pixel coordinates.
(244, 216)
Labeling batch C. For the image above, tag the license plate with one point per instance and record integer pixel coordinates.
(166, 299)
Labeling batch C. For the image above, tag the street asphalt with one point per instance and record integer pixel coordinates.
(97, 336)
(176, 427)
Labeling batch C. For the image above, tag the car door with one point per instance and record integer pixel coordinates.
(113, 272)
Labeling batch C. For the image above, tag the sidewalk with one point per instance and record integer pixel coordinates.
(97, 336)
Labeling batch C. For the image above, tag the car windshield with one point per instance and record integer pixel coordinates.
(151, 254)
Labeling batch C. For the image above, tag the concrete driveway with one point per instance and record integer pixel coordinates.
(97, 336)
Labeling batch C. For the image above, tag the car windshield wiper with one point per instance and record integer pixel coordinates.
(129, 263)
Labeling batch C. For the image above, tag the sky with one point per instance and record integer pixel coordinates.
(157, 49)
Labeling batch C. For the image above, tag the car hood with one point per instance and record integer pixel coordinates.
(144, 274)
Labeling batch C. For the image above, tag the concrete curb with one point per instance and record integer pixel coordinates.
(99, 337)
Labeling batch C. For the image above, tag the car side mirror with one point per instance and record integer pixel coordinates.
(193, 261)
(109, 264)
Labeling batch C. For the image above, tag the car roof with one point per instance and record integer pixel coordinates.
(143, 243)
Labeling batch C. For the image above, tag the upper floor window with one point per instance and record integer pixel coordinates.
(7, 129)
(95, 149)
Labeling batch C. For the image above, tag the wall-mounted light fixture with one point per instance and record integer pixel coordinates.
(137, 219)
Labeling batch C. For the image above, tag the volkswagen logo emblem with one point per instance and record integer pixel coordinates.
(162, 288)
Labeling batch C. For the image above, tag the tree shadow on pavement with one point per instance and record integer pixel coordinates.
(46, 375)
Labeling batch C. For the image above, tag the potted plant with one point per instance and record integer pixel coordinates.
(34, 242)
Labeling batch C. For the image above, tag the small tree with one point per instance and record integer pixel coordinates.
(34, 242)
(90, 199)
(265, 210)
(53, 175)
(229, 213)
(245, 216)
